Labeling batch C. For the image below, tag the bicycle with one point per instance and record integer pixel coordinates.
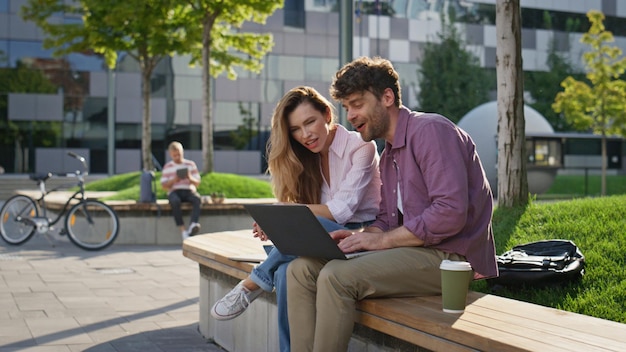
(90, 224)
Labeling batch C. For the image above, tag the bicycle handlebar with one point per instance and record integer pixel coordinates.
(79, 158)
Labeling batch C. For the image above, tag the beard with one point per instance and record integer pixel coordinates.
(377, 124)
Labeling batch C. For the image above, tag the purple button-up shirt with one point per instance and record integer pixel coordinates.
(446, 198)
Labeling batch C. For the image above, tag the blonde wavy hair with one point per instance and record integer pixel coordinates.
(295, 170)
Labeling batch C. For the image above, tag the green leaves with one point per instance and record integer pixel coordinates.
(149, 30)
(600, 104)
(145, 29)
(451, 79)
(219, 23)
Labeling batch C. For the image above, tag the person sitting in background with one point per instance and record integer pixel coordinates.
(180, 178)
(317, 162)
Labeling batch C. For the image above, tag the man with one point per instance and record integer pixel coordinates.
(436, 204)
(180, 178)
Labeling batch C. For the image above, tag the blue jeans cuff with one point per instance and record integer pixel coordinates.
(264, 284)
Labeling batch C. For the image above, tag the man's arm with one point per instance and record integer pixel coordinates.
(194, 174)
(168, 177)
(194, 181)
(169, 183)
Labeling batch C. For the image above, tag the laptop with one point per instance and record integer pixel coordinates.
(295, 230)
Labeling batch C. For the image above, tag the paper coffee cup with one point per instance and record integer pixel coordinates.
(455, 279)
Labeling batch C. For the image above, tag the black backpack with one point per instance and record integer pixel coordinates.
(541, 263)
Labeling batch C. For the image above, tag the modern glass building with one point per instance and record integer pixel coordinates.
(51, 105)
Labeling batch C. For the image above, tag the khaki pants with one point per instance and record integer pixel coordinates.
(322, 294)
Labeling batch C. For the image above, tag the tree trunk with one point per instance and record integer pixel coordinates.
(512, 178)
(146, 131)
(207, 123)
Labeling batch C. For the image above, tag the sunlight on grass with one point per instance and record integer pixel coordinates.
(233, 186)
(598, 227)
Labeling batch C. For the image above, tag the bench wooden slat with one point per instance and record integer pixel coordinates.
(214, 249)
(546, 324)
(409, 334)
(588, 324)
(477, 327)
(427, 316)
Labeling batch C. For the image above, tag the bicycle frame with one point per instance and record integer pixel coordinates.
(41, 201)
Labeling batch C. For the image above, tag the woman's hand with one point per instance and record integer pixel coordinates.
(258, 232)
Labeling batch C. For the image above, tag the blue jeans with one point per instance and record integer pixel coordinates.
(176, 197)
(272, 274)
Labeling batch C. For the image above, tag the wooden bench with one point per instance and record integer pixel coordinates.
(489, 323)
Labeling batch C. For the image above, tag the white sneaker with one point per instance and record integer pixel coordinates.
(194, 228)
(185, 234)
(234, 303)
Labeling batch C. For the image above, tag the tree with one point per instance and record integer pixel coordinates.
(244, 133)
(147, 30)
(600, 105)
(451, 79)
(217, 44)
(23, 78)
(512, 179)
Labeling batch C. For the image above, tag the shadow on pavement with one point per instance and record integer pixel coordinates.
(180, 338)
(184, 338)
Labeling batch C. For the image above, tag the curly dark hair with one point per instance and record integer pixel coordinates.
(366, 74)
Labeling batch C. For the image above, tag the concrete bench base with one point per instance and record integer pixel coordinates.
(257, 328)
(148, 227)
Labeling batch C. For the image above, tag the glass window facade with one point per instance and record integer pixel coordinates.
(544, 152)
(52, 102)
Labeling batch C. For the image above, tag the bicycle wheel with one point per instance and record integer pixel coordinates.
(92, 225)
(15, 227)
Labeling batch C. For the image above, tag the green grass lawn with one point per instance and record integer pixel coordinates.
(598, 227)
(596, 224)
(231, 185)
(576, 186)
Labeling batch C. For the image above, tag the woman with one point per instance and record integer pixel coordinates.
(317, 162)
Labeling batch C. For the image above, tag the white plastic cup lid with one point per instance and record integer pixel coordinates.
(455, 265)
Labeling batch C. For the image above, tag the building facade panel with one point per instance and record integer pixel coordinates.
(529, 39)
(127, 160)
(399, 28)
(22, 30)
(424, 31)
(378, 27)
(294, 44)
(158, 111)
(99, 84)
(609, 7)
(128, 110)
(49, 107)
(22, 107)
(56, 160)
(315, 45)
(620, 8)
(4, 25)
(399, 50)
(474, 34)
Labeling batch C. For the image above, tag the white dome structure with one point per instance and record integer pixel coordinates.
(481, 123)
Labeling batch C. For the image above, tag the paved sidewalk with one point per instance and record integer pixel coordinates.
(123, 298)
